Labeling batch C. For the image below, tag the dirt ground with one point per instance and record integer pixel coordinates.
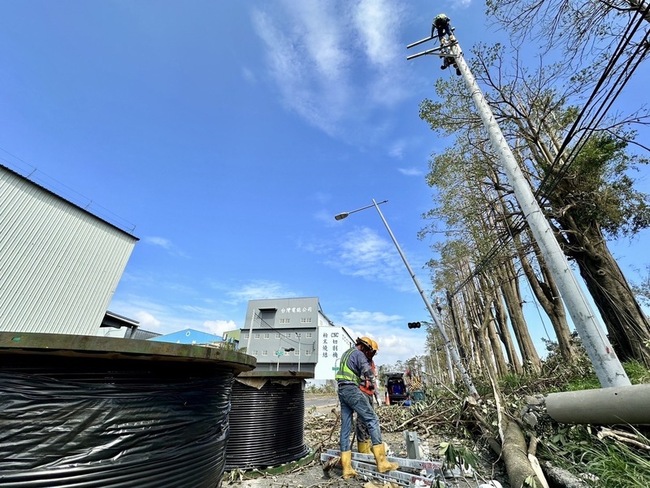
(321, 432)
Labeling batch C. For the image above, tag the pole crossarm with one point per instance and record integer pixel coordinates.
(421, 41)
(435, 50)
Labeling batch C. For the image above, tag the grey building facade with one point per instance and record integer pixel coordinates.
(293, 334)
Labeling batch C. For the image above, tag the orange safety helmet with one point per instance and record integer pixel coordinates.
(364, 341)
(369, 343)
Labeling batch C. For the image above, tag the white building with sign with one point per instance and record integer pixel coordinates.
(293, 334)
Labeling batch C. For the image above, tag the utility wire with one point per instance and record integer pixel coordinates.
(552, 179)
(598, 113)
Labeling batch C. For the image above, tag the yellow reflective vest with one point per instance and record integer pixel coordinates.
(345, 373)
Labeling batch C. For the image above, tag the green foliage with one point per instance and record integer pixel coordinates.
(600, 189)
(584, 383)
(642, 288)
(579, 374)
(530, 481)
(577, 448)
(457, 456)
(606, 462)
(513, 382)
(580, 449)
(637, 372)
(618, 465)
(568, 376)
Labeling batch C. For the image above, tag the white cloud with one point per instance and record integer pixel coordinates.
(326, 217)
(218, 327)
(364, 254)
(147, 321)
(377, 24)
(410, 171)
(399, 347)
(321, 197)
(158, 241)
(292, 64)
(364, 319)
(164, 243)
(397, 149)
(259, 290)
(317, 25)
(396, 342)
(176, 314)
(315, 49)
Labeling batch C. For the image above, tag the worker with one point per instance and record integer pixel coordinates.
(354, 370)
(370, 391)
(450, 61)
(441, 25)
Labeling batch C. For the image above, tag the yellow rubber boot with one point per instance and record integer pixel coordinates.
(383, 466)
(364, 447)
(346, 462)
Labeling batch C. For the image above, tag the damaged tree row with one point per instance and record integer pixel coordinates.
(538, 177)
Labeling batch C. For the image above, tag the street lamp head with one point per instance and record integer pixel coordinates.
(343, 215)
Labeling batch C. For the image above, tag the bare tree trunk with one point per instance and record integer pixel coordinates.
(548, 296)
(473, 321)
(627, 325)
(456, 328)
(487, 348)
(515, 456)
(510, 288)
(489, 322)
(504, 333)
(459, 329)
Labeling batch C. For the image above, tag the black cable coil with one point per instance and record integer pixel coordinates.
(91, 423)
(266, 425)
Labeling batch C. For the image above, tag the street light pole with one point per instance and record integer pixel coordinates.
(298, 334)
(451, 349)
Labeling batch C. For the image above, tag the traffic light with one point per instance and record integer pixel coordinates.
(414, 325)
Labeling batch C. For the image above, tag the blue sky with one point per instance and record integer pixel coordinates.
(228, 134)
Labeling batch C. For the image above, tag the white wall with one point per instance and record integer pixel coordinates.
(332, 343)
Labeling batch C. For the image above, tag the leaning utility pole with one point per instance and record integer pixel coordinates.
(608, 368)
(451, 348)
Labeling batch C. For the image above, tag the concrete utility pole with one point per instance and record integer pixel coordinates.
(608, 368)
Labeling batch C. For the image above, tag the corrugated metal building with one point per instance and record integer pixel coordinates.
(59, 264)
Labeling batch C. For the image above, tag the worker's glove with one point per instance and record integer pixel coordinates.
(369, 385)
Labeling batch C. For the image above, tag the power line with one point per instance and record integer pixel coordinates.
(616, 85)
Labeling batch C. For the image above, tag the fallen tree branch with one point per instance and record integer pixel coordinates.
(624, 437)
(520, 471)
